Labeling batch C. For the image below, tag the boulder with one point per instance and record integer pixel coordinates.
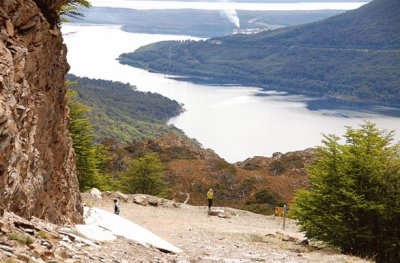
(121, 196)
(153, 202)
(116, 195)
(219, 213)
(95, 193)
(141, 200)
(288, 238)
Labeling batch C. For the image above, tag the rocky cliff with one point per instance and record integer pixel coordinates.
(37, 173)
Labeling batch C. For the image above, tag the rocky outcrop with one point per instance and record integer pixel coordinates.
(171, 146)
(37, 173)
(279, 163)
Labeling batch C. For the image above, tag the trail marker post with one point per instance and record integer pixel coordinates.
(284, 216)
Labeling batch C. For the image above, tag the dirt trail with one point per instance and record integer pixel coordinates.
(243, 237)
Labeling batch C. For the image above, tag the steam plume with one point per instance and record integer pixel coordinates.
(231, 14)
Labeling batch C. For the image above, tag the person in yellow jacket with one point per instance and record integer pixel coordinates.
(210, 196)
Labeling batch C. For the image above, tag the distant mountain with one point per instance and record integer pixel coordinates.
(195, 22)
(120, 112)
(352, 56)
(372, 26)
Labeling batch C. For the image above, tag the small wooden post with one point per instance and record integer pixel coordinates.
(284, 216)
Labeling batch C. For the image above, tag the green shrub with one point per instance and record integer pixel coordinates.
(354, 201)
(267, 196)
(43, 234)
(21, 238)
(145, 175)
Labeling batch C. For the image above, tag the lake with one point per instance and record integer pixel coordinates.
(236, 122)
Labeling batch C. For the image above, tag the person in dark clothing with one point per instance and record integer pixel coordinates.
(117, 207)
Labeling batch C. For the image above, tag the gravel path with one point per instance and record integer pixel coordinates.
(241, 237)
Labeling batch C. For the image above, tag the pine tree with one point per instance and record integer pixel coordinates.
(82, 134)
(354, 200)
(145, 175)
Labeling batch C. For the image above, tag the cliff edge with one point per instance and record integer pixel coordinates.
(37, 172)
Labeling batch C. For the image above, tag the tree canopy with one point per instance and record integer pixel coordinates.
(121, 112)
(145, 175)
(354, 200)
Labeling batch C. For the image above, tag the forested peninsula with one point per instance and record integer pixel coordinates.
(120, 112)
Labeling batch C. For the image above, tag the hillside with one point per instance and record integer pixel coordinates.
(353, 56)
(256, 184)
(120, 112)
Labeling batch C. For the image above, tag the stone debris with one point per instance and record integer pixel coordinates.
(40, 241)
(145, 200)
(36, 240)
(219, 213)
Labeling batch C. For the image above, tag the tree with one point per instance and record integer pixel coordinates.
(145, 175)
(82, 135)
(71, 9)
(354, 200)
(90, 156)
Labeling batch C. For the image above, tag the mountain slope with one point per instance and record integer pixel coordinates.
(256, 184)
(373, 26)
(355, 56)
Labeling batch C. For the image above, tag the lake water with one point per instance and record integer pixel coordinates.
(236, 122)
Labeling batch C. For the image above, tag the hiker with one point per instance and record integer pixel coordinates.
(210, 196)
(116, 207)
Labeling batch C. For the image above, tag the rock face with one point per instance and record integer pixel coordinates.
(37, 174)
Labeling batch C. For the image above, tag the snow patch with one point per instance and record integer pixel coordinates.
(105, 226)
